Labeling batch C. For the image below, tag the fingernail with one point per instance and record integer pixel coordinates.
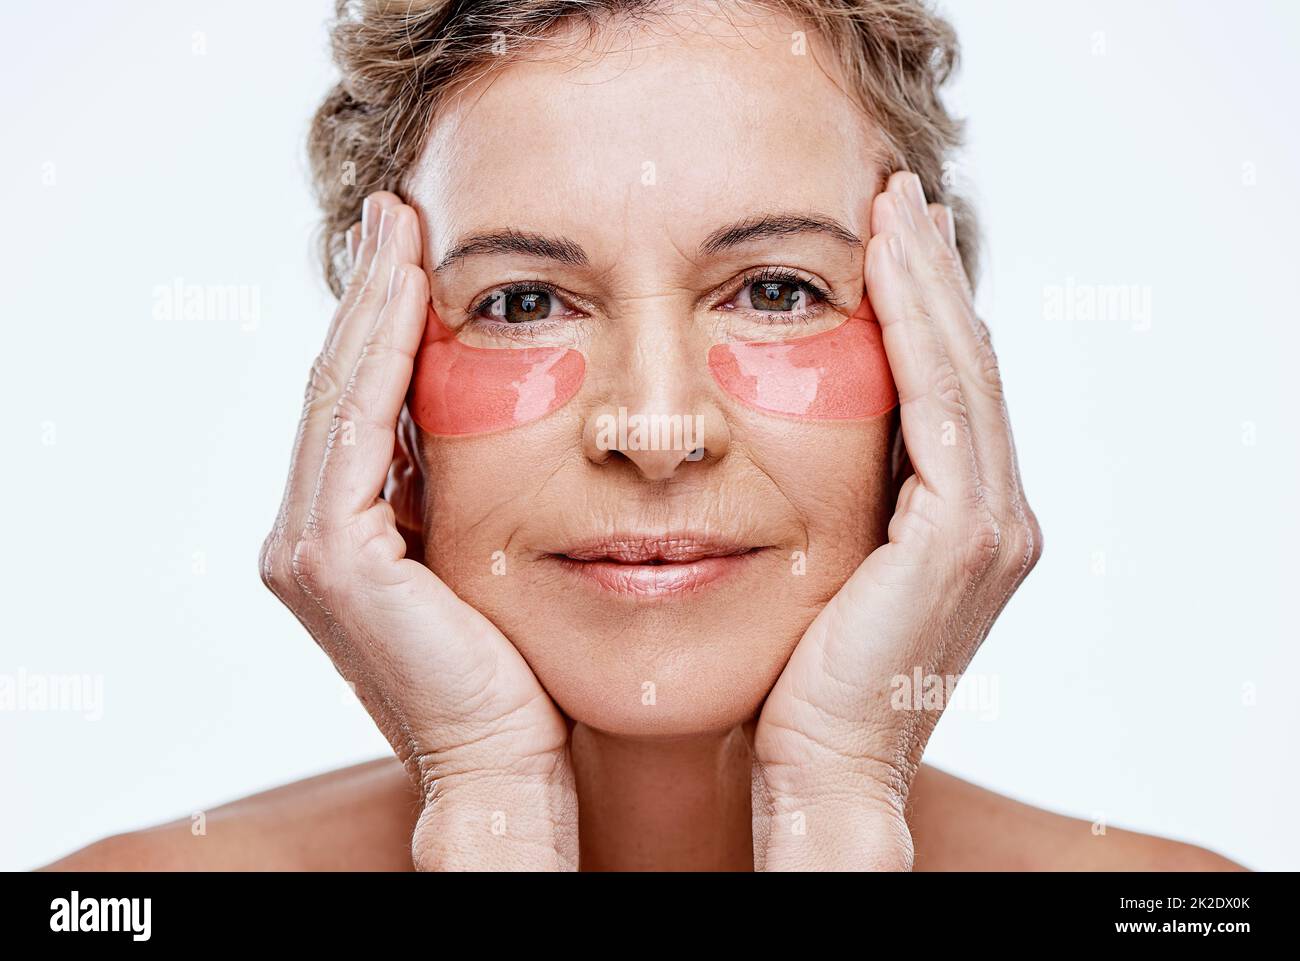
(367, 217)
(917, 191)
(903, 206)
(351, 246)
(385, 226)
(396, 278)
(896, 250)
(951, 223)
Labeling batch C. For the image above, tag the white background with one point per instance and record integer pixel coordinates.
(1145, 673)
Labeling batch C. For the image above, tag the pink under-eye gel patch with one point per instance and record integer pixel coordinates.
(457, 389)
(840, 374)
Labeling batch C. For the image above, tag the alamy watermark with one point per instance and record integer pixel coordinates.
(919, 691)
(624, 432)
(1109, 303)
(32, 691)
(220, 303)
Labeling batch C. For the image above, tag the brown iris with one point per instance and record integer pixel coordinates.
(774, 295)
(525, 306)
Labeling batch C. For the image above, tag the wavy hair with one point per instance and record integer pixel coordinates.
(400, 59)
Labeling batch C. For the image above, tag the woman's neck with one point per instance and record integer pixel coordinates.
(663, 805)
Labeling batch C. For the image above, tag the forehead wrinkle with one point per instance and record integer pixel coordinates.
(471, 104)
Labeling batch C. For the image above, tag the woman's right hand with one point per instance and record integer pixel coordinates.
(457, 702)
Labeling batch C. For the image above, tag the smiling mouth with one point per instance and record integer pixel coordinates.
(655, 566)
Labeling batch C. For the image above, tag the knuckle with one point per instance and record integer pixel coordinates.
(373, 288)
(381, 350)
(310, 565)
(986, 378)
(349, 423)
(323, 383)
(1033, 532)
(328, 565)
(920, 520)
(346, 412)
(379, 541)
(1016, 557)
(914, 527)
(947, 391)
(980, 363)
(988, 372)
(982, 544)
(273, 565)
(947, 264)
(1022, 546)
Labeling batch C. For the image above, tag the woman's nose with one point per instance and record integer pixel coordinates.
(657, 409)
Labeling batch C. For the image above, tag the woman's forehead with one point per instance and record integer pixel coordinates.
(670, 131)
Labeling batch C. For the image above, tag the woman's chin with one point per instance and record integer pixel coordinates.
(661, 672)
(679, 650)
(624, 704)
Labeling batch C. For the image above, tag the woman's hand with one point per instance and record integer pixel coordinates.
(457, 702)
(835, 753)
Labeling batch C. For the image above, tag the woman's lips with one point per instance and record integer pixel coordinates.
(655, 565)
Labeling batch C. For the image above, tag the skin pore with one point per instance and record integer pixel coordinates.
(673, 157)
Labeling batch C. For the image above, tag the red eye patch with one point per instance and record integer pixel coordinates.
(840, 374)
(457, 389)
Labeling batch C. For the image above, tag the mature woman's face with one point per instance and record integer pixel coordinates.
(638, 149)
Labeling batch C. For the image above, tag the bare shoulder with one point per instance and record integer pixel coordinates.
(357, 818)
(958, 826)
(360, 818)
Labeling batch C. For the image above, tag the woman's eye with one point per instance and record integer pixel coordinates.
(778, 295)
(517, 306)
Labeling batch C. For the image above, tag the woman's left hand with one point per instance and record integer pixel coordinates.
(835, 752)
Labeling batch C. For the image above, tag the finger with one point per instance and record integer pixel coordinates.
(363, 436)
(352, 321)
(931, 406)
(391, 244)
(945, 224)
(947, 295)
(368, 240)
(353, 242)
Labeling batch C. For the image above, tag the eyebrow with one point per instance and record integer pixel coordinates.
(565, 251)
(775, 225)
(517, 242)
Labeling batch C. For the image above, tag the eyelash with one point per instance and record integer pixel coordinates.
(527, 331)
(784, 275)
(517, 331)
